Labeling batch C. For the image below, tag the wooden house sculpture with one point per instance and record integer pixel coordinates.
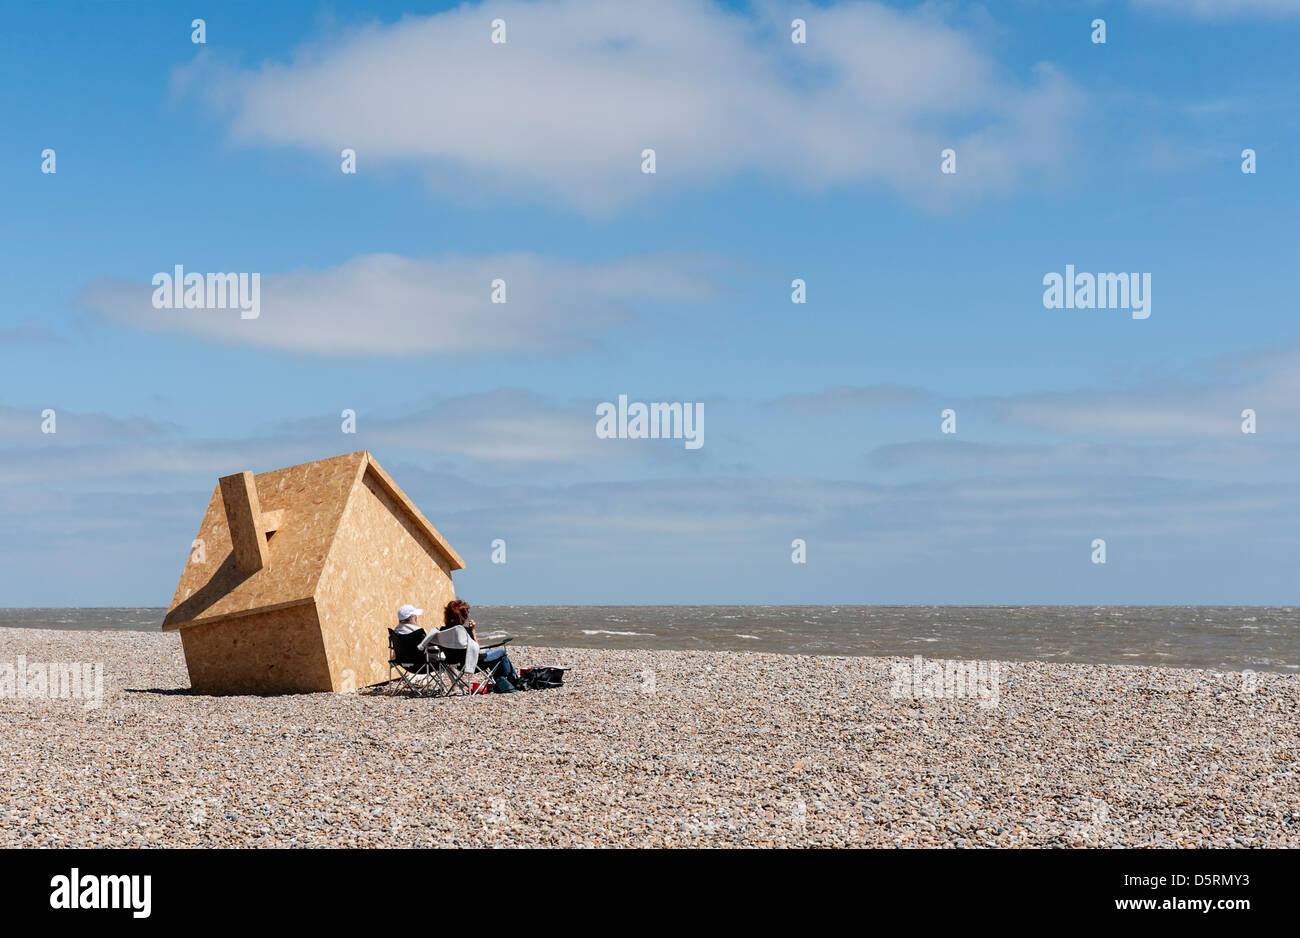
(296, 576)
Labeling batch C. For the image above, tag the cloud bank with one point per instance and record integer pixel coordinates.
(386, 305)
(563, 109)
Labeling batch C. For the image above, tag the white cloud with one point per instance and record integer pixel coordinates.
(1223, 9)
(502, 426)
(563, 110)
(1268, 384)
(385, 305)
(1205, 404)
(24, 426)
(1139, 457)
(508, 432)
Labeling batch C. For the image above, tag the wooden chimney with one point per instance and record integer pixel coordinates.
(244, 517)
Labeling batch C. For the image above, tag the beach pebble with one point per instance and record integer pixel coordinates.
(718, 749)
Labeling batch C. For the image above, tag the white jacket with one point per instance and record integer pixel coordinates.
(454, 638)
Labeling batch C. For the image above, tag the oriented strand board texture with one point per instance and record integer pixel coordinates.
(381, 558)
(266, 652)
(244, 521)
(312, 498)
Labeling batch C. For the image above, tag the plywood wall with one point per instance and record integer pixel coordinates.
(380, 559)
(277, 652)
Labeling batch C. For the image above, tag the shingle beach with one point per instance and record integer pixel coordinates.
(652, 748)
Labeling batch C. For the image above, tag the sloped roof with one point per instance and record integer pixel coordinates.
(305, 504)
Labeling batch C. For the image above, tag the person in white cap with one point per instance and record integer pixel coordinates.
(408, 619)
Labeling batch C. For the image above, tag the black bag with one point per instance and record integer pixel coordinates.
(541, 678)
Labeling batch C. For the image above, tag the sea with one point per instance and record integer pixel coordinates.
(1258, 638)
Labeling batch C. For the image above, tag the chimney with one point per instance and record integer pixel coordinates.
(244, 516)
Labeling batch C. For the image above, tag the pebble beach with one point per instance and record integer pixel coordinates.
(649, 749)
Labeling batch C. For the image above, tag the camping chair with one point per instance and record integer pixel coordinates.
(415, 672)
(448, 662)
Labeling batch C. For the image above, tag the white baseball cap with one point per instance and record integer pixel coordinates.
(405, 612)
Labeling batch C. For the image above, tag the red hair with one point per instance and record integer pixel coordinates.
(456, 613)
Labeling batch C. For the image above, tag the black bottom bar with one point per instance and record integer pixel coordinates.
(341, 889)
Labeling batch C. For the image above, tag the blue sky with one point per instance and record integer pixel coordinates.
(775, 161)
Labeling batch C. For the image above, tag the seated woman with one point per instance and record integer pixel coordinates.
(457, 613)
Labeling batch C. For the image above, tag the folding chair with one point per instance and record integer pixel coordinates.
(414, 671)
(449, 663)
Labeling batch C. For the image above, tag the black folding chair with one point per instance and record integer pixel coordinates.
(410, 669)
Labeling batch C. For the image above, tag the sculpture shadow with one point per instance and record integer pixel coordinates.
(164, 691)
(226, 578)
